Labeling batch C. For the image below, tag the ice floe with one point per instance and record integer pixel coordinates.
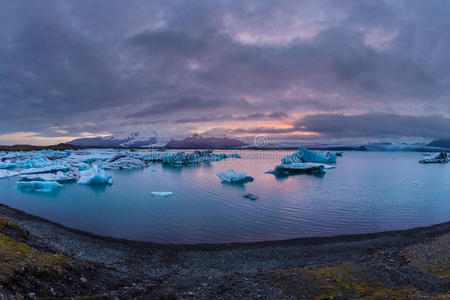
(304, 156)
(305, 161)
(95, 175)
(250, 196)
(162, 194)
(233, 176)
(38, 186)
(441, 158)
(298, 168)
(47, 169)
(123, 161)
(58, 176)
(6, 173)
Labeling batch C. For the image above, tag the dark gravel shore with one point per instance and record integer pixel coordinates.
(42, 259)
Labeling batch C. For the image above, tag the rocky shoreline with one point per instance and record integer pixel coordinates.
(42, 259)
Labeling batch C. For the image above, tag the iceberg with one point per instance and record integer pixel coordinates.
(304, 155)
(305, 161)
(162, 194)
(7, 173)
(38, 186)
(123, 161)
(298, 168)
(58, 176)
(48, 169)
(95, 175)
(441, 158)
(233, 176)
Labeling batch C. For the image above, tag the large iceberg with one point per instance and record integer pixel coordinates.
(95, 175)
(58, 176)
(123, 161)
(232, 176)
(304, 155)
(305, 161)
(48, 169)
(441, 158)
(38, 186)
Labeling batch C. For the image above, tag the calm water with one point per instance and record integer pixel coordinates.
(367, 192)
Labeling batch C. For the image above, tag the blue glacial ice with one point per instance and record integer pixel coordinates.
(6, 173)
(232, 176)
(95, 175)
(38, 186)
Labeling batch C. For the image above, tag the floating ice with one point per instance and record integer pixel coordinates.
(440, 158)
(304, 155)
(95, 175)
(58, 176)
(38, 186)
(233, 176)
(294, 168)
(123, 161)
(7, 173)
(162, 194)
(48, 169)
(7, 165)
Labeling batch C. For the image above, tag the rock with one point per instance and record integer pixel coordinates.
(250, 196)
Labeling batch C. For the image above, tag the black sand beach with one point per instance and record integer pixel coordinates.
(39, 258)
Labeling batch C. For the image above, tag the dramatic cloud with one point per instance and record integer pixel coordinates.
(343, 68)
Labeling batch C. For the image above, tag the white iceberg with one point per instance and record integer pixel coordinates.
(441, 158)
(304, 155)
(162, 194)
(94, 175)
(58, 176)
(91, 156)
(38, 186)
(48, 169)
(7, 173)
(123, 161)
(233, 176)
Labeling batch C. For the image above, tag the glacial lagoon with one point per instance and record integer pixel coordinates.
(366, 192)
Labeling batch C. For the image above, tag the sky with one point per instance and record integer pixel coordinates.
(287, 70)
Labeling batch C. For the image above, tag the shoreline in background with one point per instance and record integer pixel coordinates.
(63, 147)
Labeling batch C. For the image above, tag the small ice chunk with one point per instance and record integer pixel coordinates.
(162, 194)
(95, 175)
(233, 176)
(304, 155)
(48, 169)
(38, 186)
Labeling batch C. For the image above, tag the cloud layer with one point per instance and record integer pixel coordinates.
(330, 68)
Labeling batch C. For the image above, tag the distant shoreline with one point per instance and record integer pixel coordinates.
(364, 148)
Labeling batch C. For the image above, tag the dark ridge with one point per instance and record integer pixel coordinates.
(442, 143)
(199, 142)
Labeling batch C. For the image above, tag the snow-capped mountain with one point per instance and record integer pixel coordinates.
(133, 140)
